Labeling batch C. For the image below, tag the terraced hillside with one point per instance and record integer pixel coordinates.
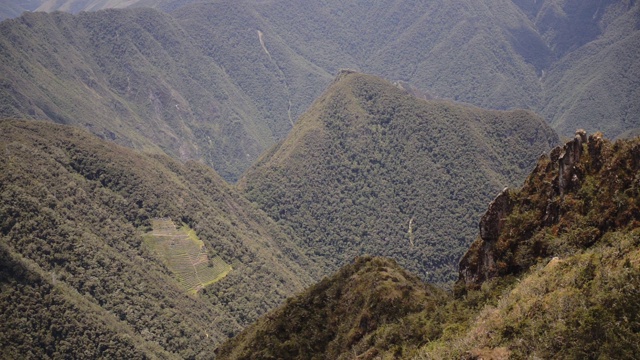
(185, 255)
(76, 221)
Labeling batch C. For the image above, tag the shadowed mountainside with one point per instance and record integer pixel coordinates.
(222, 81)
(131, 76)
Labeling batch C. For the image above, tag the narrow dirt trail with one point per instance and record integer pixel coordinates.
(281, 73)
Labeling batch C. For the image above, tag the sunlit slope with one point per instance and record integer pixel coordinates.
(554, 273)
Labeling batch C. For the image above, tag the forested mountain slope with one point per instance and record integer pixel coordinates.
(280, 82)
(223, 80)
(370, 169)
(454, 49)
(338, 315)
(132, 76)
(573, 61)
(555, 273)
(596, 85)
(80, 273)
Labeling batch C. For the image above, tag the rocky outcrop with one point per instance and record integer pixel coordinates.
(567, 157)
(493, 220)
(478, 263)
(554, 176)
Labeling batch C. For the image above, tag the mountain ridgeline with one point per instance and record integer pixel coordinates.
(222, 81)
(370, 169)
(130, 76)
(555, 273)
(133, 243)
(81, 275)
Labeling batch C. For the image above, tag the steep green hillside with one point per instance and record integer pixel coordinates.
(42, 318)
(370, 169)
(223, 80)
(134, 77)
(280, 81)
(568, 24)
(340, 317)
(453, 49)
(555, 273)
(74, 214)
(537, 55)
(595, 86)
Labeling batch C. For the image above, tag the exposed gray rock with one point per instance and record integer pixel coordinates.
(479, 263)
(571, 153)
(493, 220)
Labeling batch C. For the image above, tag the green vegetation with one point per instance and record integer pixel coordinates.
(133, 77)
(74, 211)
(221, 81)
(561, 280)
(280, 82)
(370, 169)
(360, 311)
(88, 267)
(185, 255)
(593, 86)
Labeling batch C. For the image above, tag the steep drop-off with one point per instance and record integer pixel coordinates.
(555, 273)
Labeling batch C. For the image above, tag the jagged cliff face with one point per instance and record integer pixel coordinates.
(585, 188)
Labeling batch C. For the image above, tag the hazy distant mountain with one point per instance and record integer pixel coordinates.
(280, 82)
(594, 86)
(132, 76)
(14, 8)
(370, 169)
(242, 72)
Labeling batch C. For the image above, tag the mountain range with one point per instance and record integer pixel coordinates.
(370, 169)
(79, 235)
(307, 179)
(171, 255)
(225, 80)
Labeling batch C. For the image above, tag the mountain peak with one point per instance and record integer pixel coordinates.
(430, 165)
(337, 314)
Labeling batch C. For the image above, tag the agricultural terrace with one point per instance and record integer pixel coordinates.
(185, 255)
